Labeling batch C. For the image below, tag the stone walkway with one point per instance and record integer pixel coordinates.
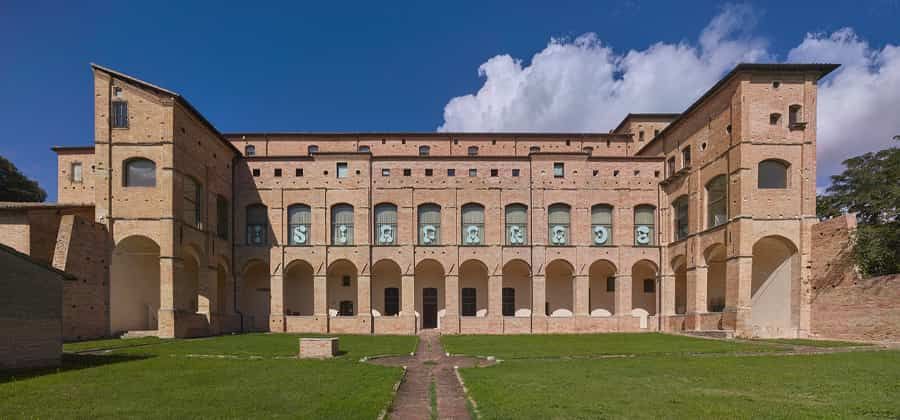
(430, 365)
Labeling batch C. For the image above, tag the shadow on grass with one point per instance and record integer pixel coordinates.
(69, 362)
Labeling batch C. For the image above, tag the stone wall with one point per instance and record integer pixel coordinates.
(83, 250)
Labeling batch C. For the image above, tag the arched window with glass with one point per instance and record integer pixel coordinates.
(429, 224)
(516, 224)
(472, 151)
(644, 225)
(558, 217)
(257, 225)
(312, 148)
(299, 224)
(601, 225)
(716, 201)
(342, 224)
(385, 224)
(249, 150)
(772, 173)
(472, 224)
(192, 202)
(139, 172)
(680, 210)
(424, 150)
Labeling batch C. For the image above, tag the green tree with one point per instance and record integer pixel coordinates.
(14, 186)
(870, 187)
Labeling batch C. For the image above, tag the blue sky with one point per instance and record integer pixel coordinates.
(341, 66)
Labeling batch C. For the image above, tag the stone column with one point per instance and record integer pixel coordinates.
(667, 294)
(696, 290)
(539, 295)
(581, 290)
(320, 289)
(166, 315)
(623, 295)
(738, 302)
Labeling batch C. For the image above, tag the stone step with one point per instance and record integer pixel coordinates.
(711, 333)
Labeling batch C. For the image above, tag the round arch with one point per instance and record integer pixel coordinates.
(714, 257)
(560, 289)
(601, 287)
(134, 285)
(473, 288)
(341, 290)
(516, 299)
(387, 287)
(254, 295)
(679, 269)
(299, 288)
(430, 293)
(644, 274)
(775, 288)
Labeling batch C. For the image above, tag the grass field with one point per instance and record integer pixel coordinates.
(231, 376)
(814, 343)
(674, 377)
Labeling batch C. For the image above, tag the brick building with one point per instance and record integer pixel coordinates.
(691, 221)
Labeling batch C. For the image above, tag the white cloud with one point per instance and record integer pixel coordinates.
(584, 85)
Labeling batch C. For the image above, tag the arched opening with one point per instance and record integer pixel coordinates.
(775, 288)
(430, 292)
(516, 299)
(602, 288)
(387, 287)
(560, 290)
(558, 219)
(473, 289)
(341, 291)
(716, 201)
(299, 292)
(516, 218)
(679, 267)
(187, 283)
(255, 296)
(134, 285)
(643, 288)
(716, 284)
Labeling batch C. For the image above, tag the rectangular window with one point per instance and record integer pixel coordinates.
(298, 172)
(468, 301)
(255, 172)
(655, 133)
(641, 136)
(681, 218)
(407, 172)
(119, 115)
(509, 301)
(515, 172)
(686, 157)
(77, 175)
(670, 166)
(473, 172)
(559, 170)
(391, 301)
(345, 281)
(342, 169)
(277, 172)
(385, 172)
(429, 172)
(649, 286)
(222, 217)
(346, 308)
(610, 284)
(495, 172)
(451, 172)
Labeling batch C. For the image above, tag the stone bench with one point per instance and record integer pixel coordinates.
(318, 348)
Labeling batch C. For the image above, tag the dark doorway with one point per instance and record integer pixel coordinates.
(429, 307)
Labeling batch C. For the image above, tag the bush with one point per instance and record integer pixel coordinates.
(877, 250)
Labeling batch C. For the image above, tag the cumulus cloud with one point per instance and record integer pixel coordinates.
(583, 85)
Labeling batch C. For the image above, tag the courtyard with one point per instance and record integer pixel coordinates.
(536, 376)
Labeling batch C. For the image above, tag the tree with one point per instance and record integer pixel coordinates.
(870, 187)
(15, 186)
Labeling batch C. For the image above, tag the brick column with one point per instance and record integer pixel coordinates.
(276, 301)
(451, 295)
(495, 296)
(408, 295)
(696, 290)
(166, 315)
(667, 294)
(581, 300)
(320, 301)
(623, 295)
(737, 293)
(539, 295)
(364, 295)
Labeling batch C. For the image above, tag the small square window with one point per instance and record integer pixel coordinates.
(451, 172)
(615, 172)
(407, 172)
(385, 172)
(298, 172)
(277, 171)
(429, 172)
(117, 92)
(345, 281)
(649, 286)
(637, 172)
(610, 284)
(559, 170)
(495, 172)
(596, 172)
(255, 171)
(364, 149)
(515, 172)
(473, 172)
(342, 169)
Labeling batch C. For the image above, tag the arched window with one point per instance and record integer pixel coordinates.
(364, 149)
(516, 224)
(601, 224)
(424, 150)
(257, 225)
(716, 201)
(534, 149)
(342, 224)
(473, 151)
(140, 172)
(192, 201)
(644, 225)
(680, 209)
(772, 174)
(429, 224)
(312, 149)
(385, 224)
(558, 224)
(299, 224)
(472, 224)
(249, 150)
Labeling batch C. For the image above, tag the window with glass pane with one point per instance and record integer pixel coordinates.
(558, 218)
(342, 224)
(140, 172)
(192, 202)
(119, 114)
(509, 301)
(250, 150)
(429, 224)
(222, 217)
(257, 225)
(516, 224)
(346, 308)
(342, 169)
(385, 224)
(649, 286)
(472, 224)
(312, 149)
(680, 207)
(644, 225)
(299, 224)
(77, 175)
(716, 201)
(468, 301)
(424, 150)
(772, 174)
(391, 301)
(559, 170)
(601, 224)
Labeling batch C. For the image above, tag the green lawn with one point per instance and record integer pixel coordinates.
(814, 343)
(845, 385)
(109, 344)
(580, 346)
(167, 378)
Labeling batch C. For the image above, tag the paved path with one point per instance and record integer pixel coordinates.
(430, 365)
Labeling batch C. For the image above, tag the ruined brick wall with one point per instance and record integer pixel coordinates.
(83, 250)
(843, 305)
